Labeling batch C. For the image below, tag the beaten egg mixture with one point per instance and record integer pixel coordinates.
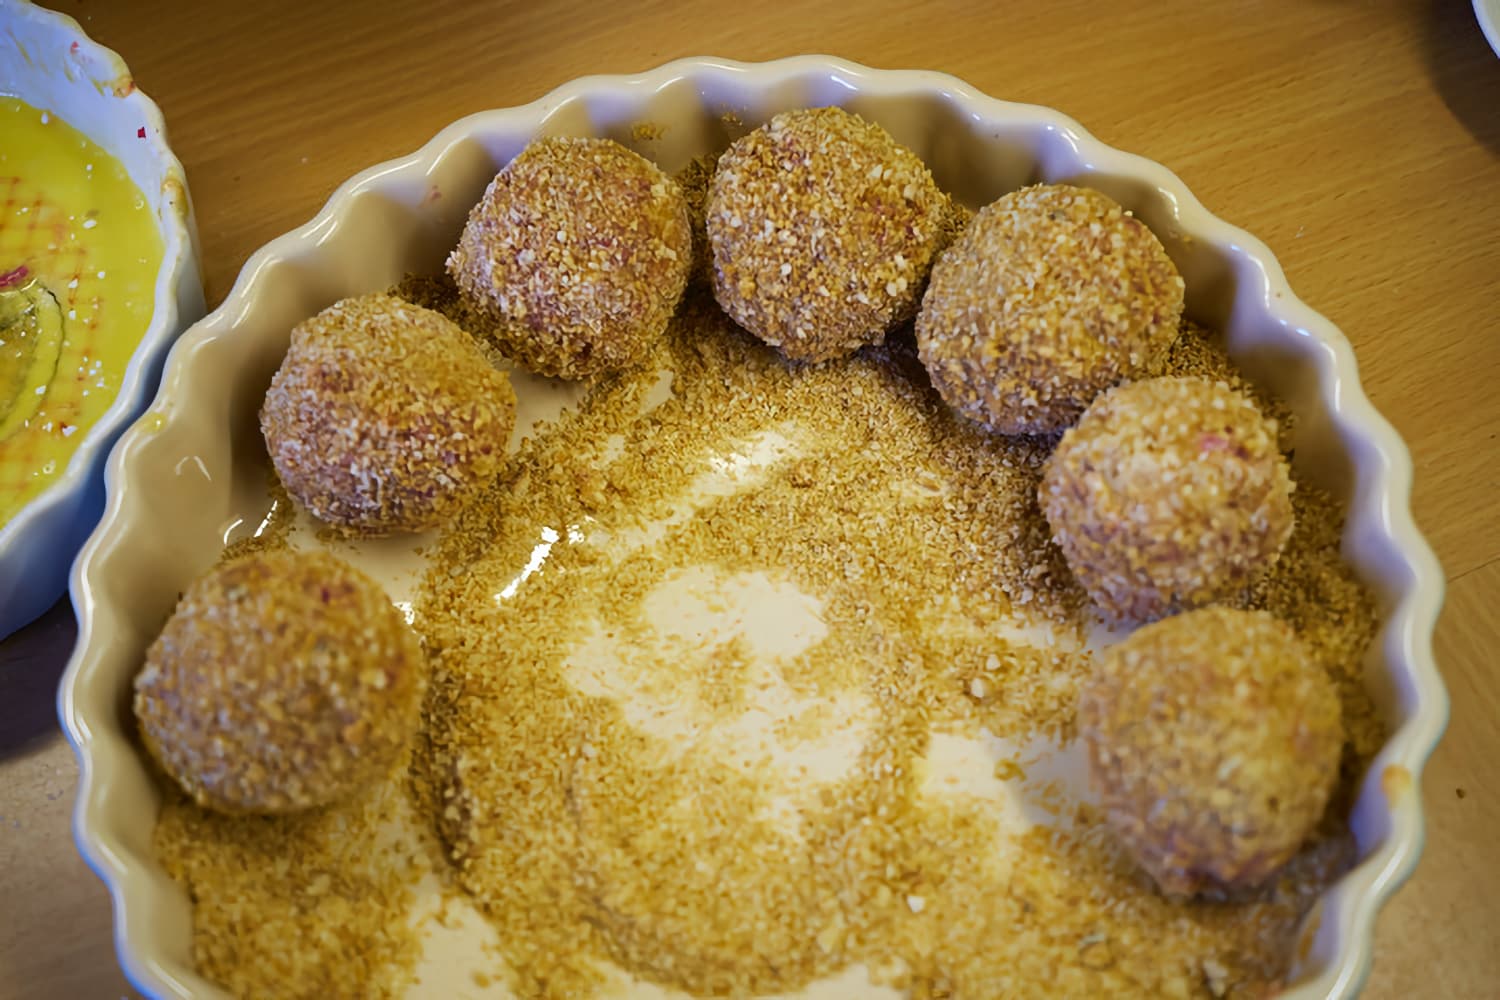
(79, 255)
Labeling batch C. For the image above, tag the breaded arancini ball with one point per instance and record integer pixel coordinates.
(284, 680)
(1053, 294)
(578, 252)
(823, 229)
(385, 417)
(1169, 494)
(1213, 741)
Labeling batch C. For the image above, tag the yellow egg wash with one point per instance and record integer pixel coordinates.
(79, 255)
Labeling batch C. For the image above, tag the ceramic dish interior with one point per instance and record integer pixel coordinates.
(194, 463)
(48, 62)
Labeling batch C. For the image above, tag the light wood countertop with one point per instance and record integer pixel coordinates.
(1361, 141)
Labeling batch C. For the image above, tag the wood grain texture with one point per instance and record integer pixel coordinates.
(1360, 140)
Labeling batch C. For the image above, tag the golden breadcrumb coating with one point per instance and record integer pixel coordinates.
(823, 229)
(284, 680)
(1053, 294)
(578, 253)
(1213, 739)
(1170, 494)
(385, 417)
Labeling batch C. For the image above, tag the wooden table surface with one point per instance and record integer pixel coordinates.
(1360, 140)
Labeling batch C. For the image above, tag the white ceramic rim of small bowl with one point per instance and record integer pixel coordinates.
(1487, 12)
(43, 522)
(1349, 908)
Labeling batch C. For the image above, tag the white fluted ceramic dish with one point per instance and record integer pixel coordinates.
(185, 472)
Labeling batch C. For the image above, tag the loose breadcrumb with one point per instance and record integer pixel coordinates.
(694, 180)
(311, 905)
(617, 847)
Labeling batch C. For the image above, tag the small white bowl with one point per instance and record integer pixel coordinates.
(195, 463)
(48, 62)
